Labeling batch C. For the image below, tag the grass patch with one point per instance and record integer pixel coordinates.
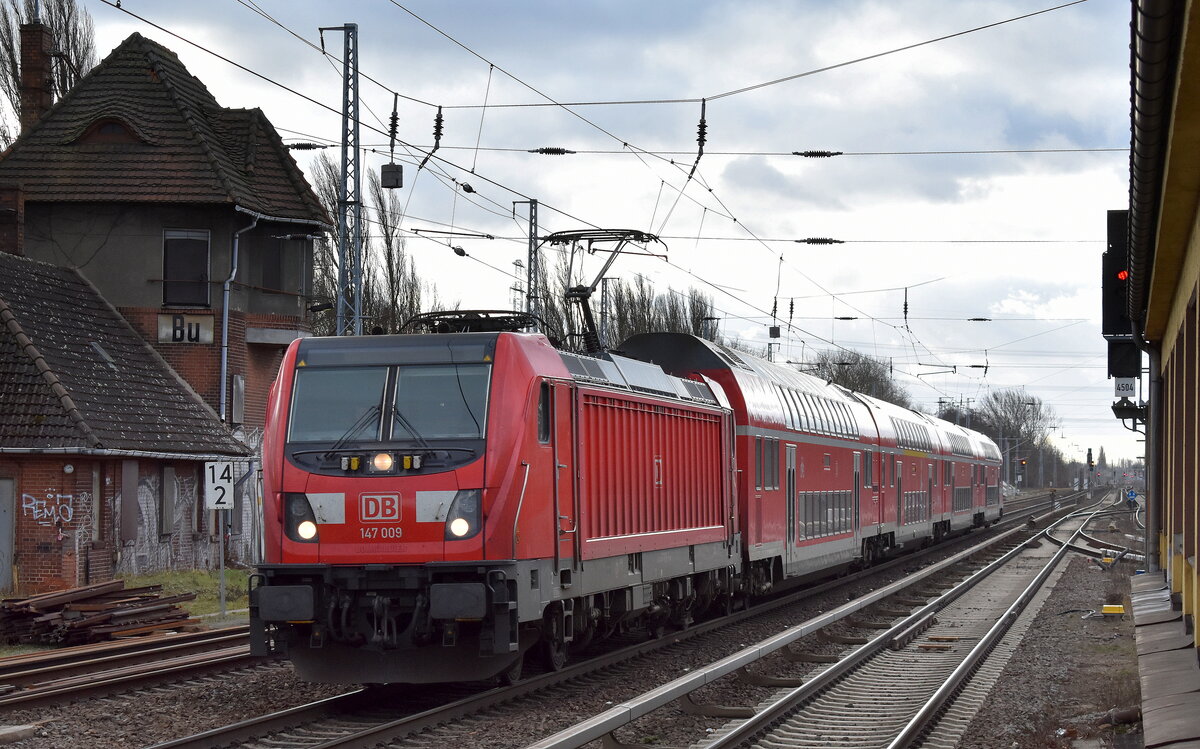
(204, 583)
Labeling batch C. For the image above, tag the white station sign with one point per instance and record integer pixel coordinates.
(218, 486)
(1125, 387)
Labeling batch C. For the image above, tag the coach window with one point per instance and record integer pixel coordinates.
(826, 462)
(801, 414)
(789, 416)
(544, 414)
(947, 472)
(758, 463)
(772, 478)
(869, 473)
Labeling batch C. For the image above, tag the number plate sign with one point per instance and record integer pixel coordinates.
(218, 486)
(1125, 387)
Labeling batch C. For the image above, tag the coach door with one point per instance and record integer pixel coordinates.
(900, 518)
(929, 495)
(8, 526)
(792, 504)
(566, 511)
(857, 494)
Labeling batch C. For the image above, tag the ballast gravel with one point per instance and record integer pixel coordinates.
(1058, 689)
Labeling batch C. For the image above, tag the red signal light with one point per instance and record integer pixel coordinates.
(1122, 275)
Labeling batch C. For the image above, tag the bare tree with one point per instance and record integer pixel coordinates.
(325, 179)
(73, 37)
(861, 373)
(400, 288)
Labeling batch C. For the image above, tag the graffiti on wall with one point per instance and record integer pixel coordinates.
(53, 508)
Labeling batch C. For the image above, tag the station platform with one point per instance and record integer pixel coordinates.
(1168, 668)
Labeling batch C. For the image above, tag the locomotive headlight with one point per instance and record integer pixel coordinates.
(382, 462)
(463, 519)
(299, 522)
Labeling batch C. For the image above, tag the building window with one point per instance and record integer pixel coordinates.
(271, 257)
(185, 268)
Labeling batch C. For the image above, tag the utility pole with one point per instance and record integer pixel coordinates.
(349, 295)
(605, 300)
(533, 267)
(518, 291)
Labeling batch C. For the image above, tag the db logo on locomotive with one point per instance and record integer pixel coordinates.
(379, 508)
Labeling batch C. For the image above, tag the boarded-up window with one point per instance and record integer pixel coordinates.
(129, 500)
(168, 491)
(185, 268)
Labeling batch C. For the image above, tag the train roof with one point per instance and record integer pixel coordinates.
(678, 352)
(681, 353)
(608, 370)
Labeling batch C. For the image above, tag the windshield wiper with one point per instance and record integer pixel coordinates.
(355, 427)
(410, 428)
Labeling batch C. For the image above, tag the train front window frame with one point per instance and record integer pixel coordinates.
(427, 407)
(336, 404)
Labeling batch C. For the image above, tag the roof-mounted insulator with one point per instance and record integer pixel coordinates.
(816, 154)
(819, 240)
(551, 151)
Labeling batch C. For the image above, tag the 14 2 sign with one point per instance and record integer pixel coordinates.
(218, 486)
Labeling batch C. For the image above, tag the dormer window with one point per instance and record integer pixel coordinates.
(108, 130)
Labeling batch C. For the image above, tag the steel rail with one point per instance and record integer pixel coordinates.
(20, 671)
(282, 720)
(600, 725)
(940, 698)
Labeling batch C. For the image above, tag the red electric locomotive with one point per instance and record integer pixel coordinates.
(439, 505)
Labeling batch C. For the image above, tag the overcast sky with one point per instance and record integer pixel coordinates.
(1014, 237)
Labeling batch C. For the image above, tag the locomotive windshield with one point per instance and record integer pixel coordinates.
(337, 404)
(443, 401)
(405, 404)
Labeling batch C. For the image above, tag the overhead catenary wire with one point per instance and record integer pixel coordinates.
(552, 208)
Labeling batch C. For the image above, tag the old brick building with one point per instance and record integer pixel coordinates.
(192, 226)
(101, 444)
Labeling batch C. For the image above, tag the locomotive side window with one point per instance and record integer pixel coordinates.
(544, 413)
(336, 403)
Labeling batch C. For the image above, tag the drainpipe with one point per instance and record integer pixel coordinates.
(233, 269)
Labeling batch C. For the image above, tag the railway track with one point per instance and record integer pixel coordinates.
(384, 716)
(918, 683)
(109, 667)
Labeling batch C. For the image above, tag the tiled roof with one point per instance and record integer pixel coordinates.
(190, 149)
(73, 374)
